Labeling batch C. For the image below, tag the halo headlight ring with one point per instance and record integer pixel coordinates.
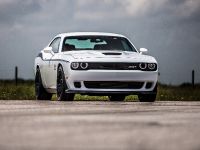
(143, 66)
(75, 65)
(84, 65)
(151, 66)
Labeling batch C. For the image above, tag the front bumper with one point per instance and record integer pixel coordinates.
(81, 77)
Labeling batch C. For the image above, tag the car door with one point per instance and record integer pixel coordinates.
(51, 73)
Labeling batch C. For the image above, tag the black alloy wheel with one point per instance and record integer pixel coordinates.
(40, 92)
(148, 97)
(61, 86)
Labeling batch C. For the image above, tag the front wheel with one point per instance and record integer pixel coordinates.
(61, 87)
(40, 92)
(148, 97)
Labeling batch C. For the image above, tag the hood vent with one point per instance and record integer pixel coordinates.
(111, 53)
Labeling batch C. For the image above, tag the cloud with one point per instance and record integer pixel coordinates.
(143, 7)
(187, 8)
(13, 10)
(168, 28)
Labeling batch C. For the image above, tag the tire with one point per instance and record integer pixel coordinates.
(116, 97)
(61, 87)
(40, 92)
(148, 97)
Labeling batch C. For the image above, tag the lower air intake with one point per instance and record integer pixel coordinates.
(113, 85)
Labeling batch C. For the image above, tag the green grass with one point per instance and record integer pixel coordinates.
(25, 91)
(179, 93)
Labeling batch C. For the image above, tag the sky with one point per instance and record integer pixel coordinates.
(169, 29)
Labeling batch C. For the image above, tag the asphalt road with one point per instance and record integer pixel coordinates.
(54, 125)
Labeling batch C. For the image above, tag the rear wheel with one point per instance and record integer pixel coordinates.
(148, 97)
(61, 87)
(117, 97)
(40, 92)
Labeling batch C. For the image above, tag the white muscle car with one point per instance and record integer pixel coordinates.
(94, 63)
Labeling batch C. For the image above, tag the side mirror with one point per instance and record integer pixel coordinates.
(48, 50)
(143, 50)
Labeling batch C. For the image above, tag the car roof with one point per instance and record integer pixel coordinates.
(89, 33)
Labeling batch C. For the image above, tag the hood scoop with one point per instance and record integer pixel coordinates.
(111, 53)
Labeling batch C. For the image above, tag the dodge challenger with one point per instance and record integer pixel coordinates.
(94, 63)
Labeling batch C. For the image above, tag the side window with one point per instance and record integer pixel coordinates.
(55, 45)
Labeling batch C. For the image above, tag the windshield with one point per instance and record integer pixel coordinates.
(97, 43)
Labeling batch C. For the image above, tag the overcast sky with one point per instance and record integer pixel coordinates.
(169, 29)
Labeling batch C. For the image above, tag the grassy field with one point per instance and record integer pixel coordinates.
(25, 91)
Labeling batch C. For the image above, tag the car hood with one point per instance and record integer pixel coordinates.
(108, 56)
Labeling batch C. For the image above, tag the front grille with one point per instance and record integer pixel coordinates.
(114, 66)
(112, 85)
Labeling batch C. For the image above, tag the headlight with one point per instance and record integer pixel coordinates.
(79, 65)
(75, 65)
(143, 66)
(152, 66)
(84, 65)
